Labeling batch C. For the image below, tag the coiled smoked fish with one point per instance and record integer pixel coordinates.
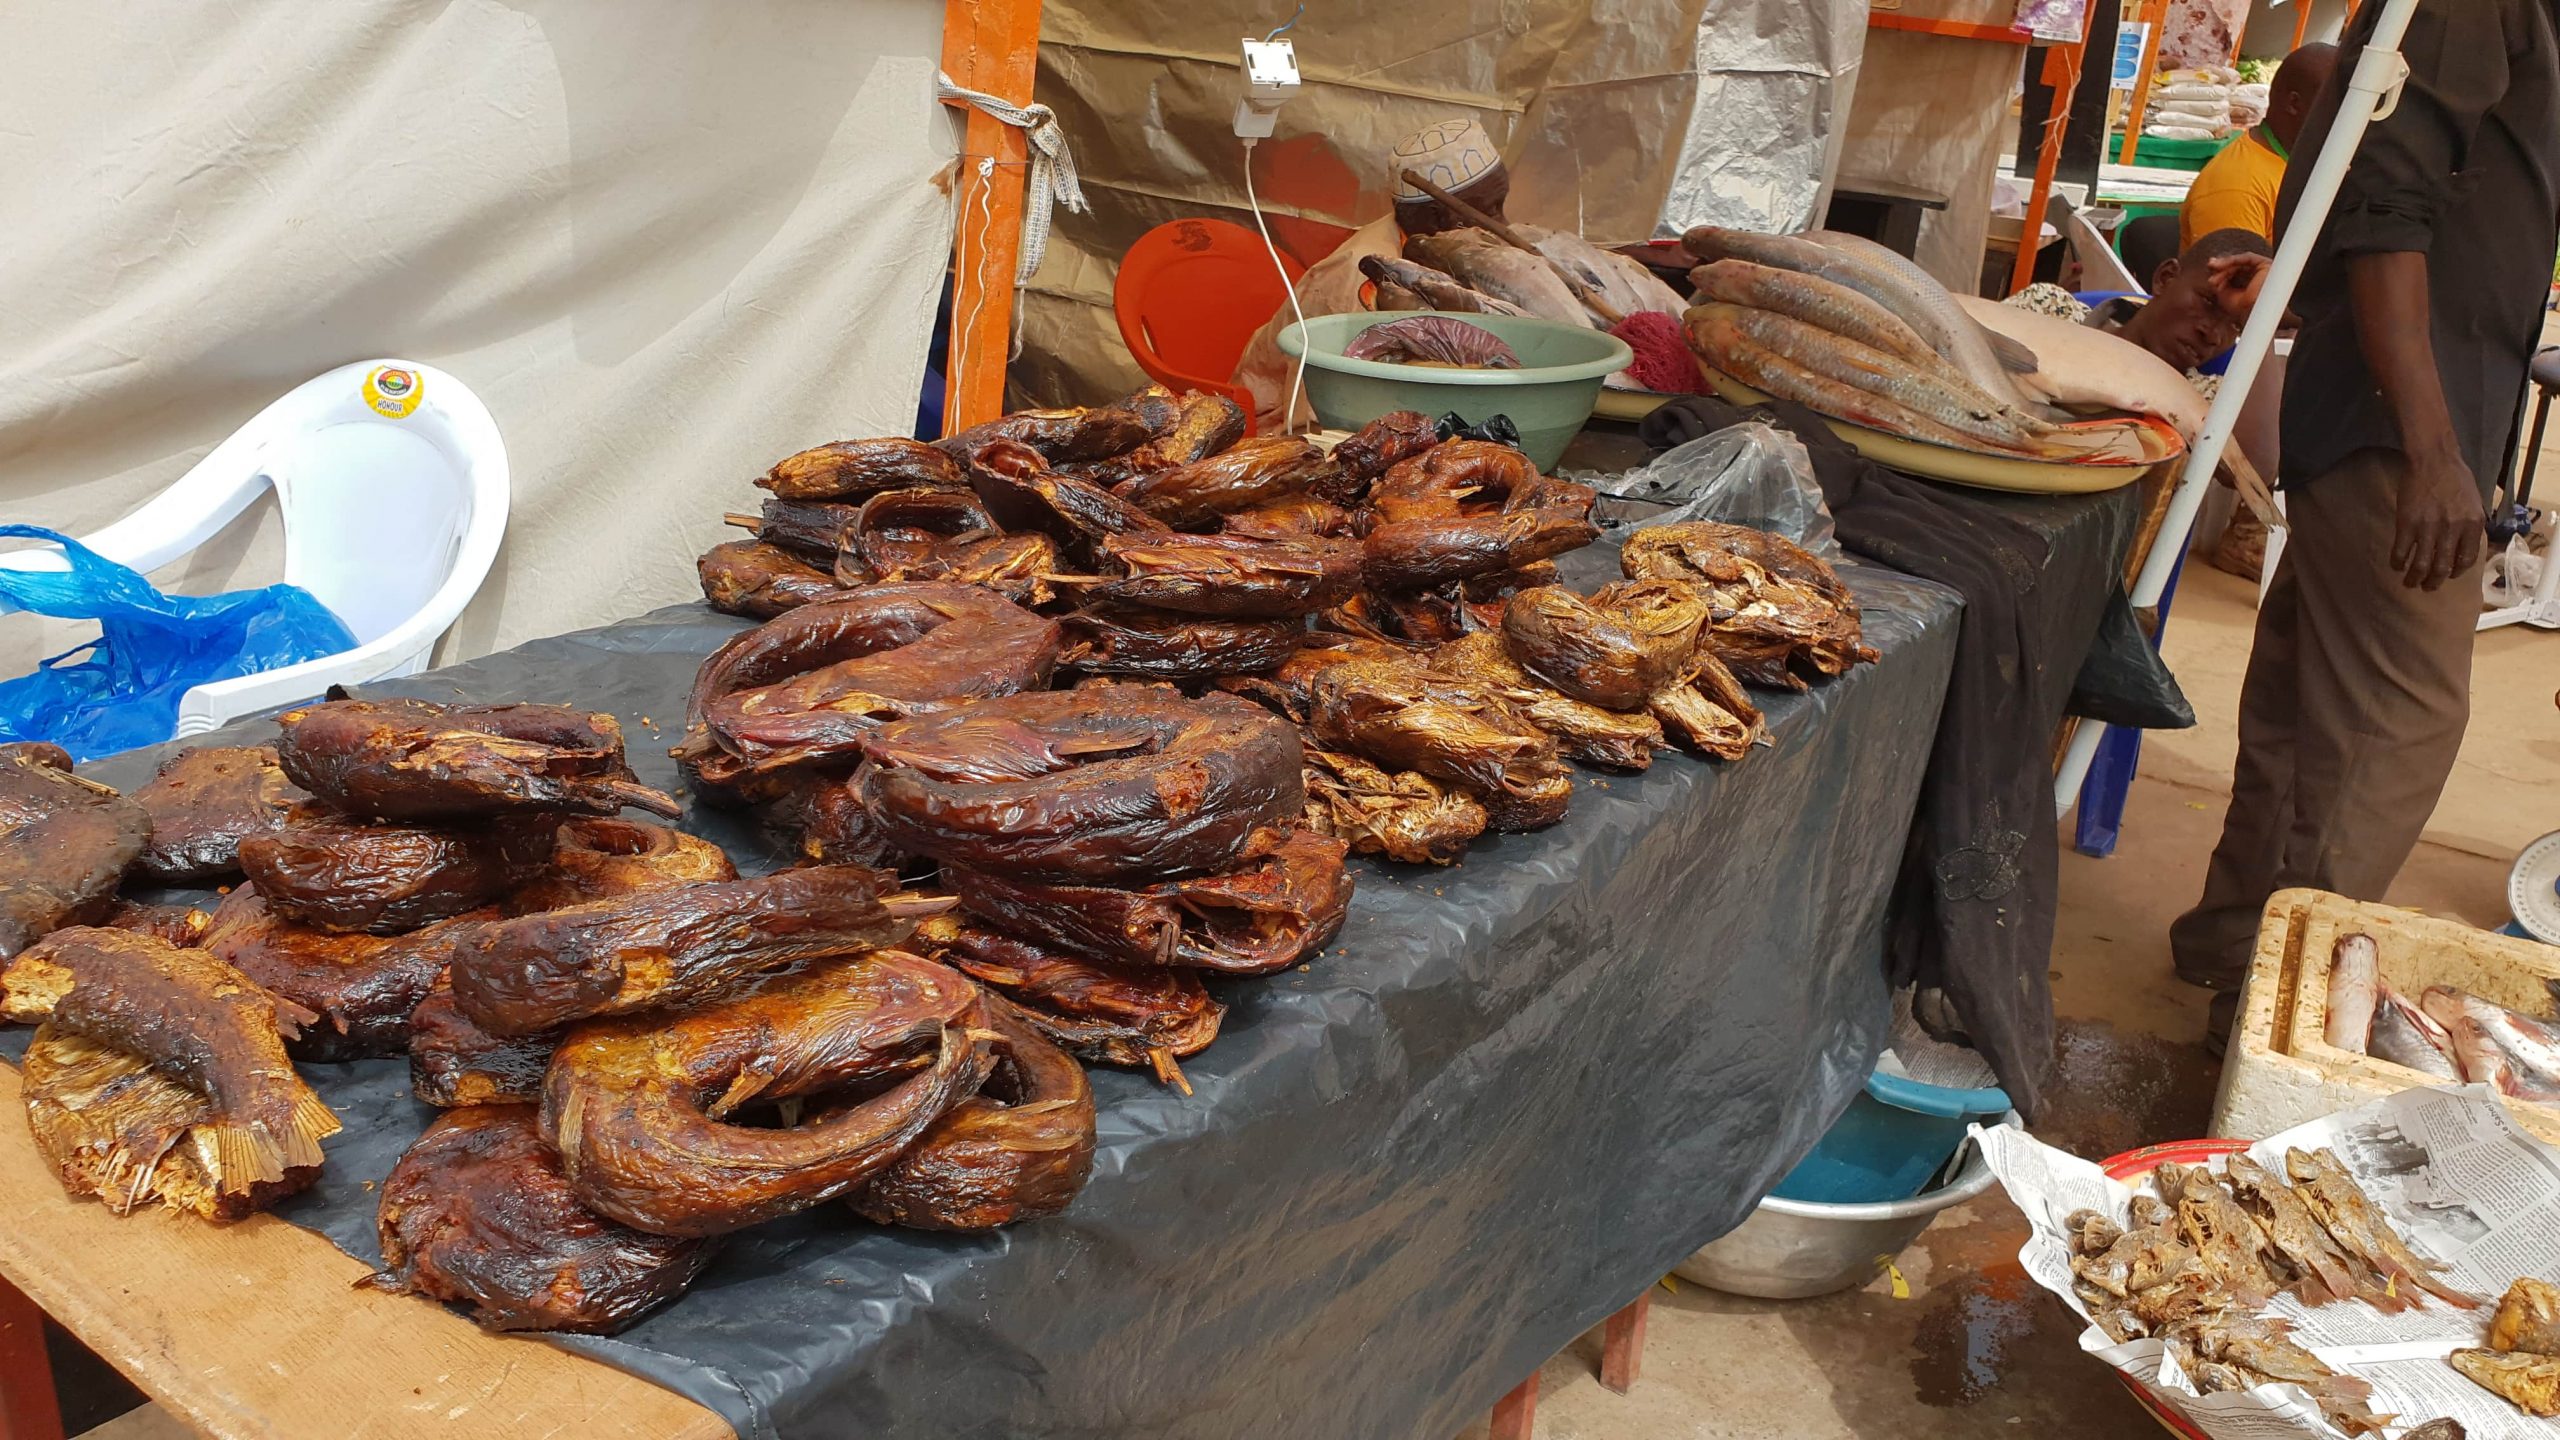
(339, 874)
(853, 469)
(64, 844)
(1019, 1149)
(641, 1109)
(411, 760)
(1409, 719)
(1228, 576)
(1135, 1016)
(1116, 783)
(360, 990)
(477, 1213)
(204, 801)
(634, 952)
(1271, 912)
(881, 654)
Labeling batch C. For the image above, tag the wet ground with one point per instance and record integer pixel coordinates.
(1967, 1346)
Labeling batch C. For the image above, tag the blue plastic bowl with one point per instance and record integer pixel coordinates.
(1890, 1143)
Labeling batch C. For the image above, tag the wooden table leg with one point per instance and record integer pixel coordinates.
(1515, 1415)
(1622, 1344)
(29, 1409)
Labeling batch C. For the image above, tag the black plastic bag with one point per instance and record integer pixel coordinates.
(2124, 681)
(1496, 428)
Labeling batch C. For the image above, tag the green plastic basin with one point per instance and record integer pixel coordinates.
(1549, 397)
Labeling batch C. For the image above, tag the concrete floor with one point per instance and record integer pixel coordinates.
(1977, 1349)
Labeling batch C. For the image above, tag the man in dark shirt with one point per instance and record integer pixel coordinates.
(2420, 311)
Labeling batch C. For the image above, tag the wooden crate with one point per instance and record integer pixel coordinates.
(2281, 1072)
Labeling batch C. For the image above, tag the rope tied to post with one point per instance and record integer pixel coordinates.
(1052, 180)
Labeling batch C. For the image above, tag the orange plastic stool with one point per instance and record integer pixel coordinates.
(1189, 295)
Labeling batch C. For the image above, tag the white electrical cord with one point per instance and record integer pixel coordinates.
(1298, 376)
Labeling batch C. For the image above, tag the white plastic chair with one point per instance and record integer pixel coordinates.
(392, 481)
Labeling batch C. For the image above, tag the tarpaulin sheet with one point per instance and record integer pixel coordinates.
(1619, 121)
(665, 243)
(1508, 1098)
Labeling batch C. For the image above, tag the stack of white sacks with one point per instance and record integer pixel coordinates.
(2201, 105)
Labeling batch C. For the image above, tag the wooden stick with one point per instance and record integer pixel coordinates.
(2158, 18)
(743, 522)
(2254, 490)
(2062, 76)
(1589, 297)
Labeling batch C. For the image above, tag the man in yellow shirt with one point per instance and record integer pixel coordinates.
(2237, 189)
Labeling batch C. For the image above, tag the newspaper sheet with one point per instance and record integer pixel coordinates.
(2459, 1181)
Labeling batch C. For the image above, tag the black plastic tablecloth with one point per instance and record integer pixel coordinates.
(1508, 1097)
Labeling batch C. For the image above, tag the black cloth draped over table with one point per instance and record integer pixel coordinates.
(1973, 905)
(1505, 1100)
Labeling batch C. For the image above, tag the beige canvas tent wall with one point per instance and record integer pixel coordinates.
(1621, 121)
(665, 242)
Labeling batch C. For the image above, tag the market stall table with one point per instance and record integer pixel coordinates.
(1509, 1096)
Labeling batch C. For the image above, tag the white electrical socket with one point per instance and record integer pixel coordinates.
(1270, 78)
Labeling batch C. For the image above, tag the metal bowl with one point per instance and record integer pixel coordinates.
(1794, 1249)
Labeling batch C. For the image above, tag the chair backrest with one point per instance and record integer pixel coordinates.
(1189, 295)
(394, 491)
(2145, 241)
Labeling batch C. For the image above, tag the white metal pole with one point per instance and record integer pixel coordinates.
(2371, 92)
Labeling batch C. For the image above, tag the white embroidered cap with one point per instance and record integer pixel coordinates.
(1451, 154)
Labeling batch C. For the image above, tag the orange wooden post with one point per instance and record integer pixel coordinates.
(2301, 23)
(1622, 1344)
(2062, 73)
(1515, 1415)
(991, 46)
(2157, 12)
(29, 1410)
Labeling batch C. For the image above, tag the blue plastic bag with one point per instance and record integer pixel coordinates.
(152, 648)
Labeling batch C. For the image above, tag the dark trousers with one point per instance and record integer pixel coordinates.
(2350, 718)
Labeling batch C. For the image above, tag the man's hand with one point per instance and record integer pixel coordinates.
(2441, 527)
(2236, 280)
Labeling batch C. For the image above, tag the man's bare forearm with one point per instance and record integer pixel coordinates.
(2388, 293)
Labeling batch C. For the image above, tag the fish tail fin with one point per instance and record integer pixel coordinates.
(252, 1153)
(2014, 355)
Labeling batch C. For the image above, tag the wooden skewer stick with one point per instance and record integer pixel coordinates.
(1589, 297)
(743, 522)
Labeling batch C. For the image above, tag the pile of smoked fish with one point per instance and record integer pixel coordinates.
(2194, 1265)
(637, 1050)
(1395, 600)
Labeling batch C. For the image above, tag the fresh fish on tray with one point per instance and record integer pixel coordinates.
(1891, 281)
(2405, 1034)
(2517, 1055)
